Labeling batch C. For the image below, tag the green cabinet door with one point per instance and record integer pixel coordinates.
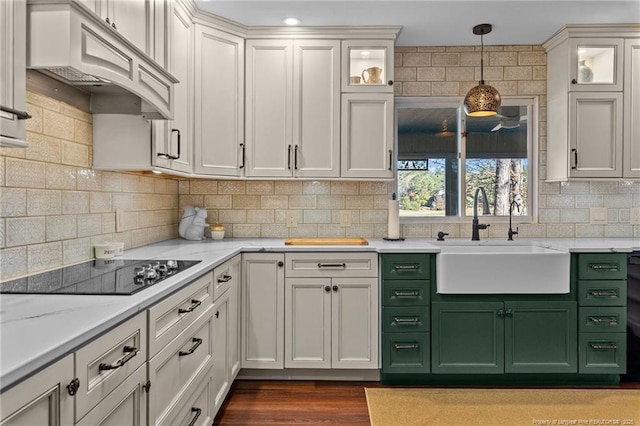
(541, 337)
(467, 338)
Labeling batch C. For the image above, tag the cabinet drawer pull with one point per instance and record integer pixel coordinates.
(412, 320)
(198, 411)
(575, 159)
(390, 160)
(242, 147)
(406, 346)
(225, 278)
(406, 267)
(602, 320)
(289, 157)
(196, 342)
(397, 293)
(194, 304)
(332, 265)
(129, 350)
(604, 293)
(604, 267)
(603, 345)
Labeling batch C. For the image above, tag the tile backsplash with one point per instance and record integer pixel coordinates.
(54, 206)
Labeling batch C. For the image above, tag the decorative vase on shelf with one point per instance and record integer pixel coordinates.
(585, 75)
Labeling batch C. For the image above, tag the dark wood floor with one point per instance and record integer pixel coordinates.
(261, 402)
(295, 402)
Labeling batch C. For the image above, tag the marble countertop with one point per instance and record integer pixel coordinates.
(36, 330)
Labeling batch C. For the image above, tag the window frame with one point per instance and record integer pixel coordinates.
(532, 154)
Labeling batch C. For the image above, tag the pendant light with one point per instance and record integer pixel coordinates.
(482, 100)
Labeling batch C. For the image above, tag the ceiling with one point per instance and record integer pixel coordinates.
(435, 22)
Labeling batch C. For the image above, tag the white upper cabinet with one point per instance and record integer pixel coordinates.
(293, 108)
(172, 145)
(631, 154)
(13, 36)
(129, 17)
(219, 102)
(367, 135)
(367, 66)
(592, 101)
(595, 134)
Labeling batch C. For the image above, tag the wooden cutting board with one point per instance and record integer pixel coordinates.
(326, 242)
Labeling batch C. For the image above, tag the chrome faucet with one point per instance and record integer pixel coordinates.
(475, 235)
(511, 232)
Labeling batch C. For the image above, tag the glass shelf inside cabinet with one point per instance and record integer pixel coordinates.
(596, 65)
(367, 66)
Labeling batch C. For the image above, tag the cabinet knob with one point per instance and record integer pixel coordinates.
(327, 288)
(574, 81)
(335, 288)
(390, 82)
(280, 264)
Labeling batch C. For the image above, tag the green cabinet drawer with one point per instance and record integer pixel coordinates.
(602, 293)
(598, 319)
(405, 293)
(406, 266)
(405, 353)
(405, 319)
(602, 266)
(603, 353)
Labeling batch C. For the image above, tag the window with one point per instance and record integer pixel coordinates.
(444, 156)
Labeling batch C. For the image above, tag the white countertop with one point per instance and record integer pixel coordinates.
(36, 330)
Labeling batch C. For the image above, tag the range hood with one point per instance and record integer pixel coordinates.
(70, 43)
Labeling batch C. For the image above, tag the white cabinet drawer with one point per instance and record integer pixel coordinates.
(107, 361)
(175, 368)
(224, 276)
(331, 265)
(171, 316)
(197, 409)
(126, 405)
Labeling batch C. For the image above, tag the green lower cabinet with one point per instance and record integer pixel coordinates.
(468, 338)
(603, 353)
(499, 337)
(405, 353)
(541, 337)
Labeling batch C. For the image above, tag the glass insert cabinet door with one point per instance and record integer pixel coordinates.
(367, 66)
(596, 64)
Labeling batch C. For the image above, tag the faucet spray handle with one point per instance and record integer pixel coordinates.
(441, 236)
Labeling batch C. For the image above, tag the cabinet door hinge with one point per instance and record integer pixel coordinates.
(73, 387)
(147, 386)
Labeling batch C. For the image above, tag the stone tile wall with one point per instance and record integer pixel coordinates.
(54, 207)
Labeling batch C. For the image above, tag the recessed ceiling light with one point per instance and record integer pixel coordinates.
(291, 21)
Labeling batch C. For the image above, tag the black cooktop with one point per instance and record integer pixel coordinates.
(99, 277)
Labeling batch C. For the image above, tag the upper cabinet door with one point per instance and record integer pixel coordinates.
(13, 39)
(219, 102)
(596, 64)
(269, 106)
(367, 66)
(595, 134)
(179, 130)
(131, 19)
(367, 135)
(316, 108)
(631, 167)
